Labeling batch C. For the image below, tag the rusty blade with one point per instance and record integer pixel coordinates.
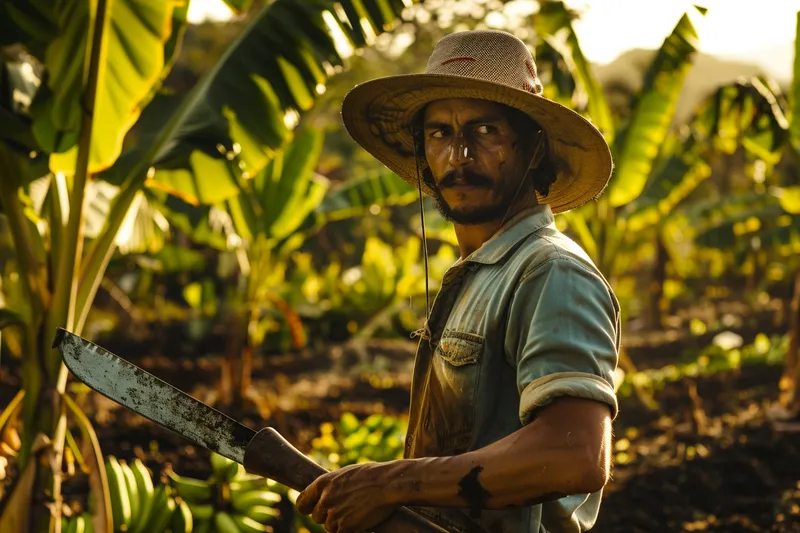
(153, 398)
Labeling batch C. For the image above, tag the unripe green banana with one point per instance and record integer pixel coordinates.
(190, 489)
(224, 523)
(78, 524)
(182, 518)
(248, 525)
(240, 487)
(224, 468)
(67, 524)
(87, 519)
(277, 488)
(133, 493)
(118, 491)
(262, 514)
(202, 527)
(256, 497)
(162, 509)
(201, 511)
(144, 486)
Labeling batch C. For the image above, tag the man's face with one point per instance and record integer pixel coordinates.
(473, 153)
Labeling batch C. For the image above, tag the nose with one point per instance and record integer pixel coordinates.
(460, 152)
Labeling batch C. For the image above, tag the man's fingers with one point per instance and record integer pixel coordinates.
(307, 499)
(320, 513)
(332, 523)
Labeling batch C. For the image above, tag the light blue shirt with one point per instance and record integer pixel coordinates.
(524, 319)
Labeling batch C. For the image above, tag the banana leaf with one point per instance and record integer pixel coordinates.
(637, 146)
(553, 23)
(744, 114)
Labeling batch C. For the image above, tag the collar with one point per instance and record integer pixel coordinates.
(511, 233)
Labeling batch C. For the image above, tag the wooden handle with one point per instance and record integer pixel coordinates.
(271, 456)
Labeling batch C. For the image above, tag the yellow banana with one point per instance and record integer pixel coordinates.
(256, 497)
(118, 490)
(262, 514)
(182, 518)
(133, 493)
(224, 523)
(248, 525)
(201, 511)
(144, 486)
(190, 489)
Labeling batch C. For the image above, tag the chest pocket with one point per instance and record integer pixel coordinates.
(456, 371)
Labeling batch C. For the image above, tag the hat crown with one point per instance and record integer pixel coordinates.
(488, 55)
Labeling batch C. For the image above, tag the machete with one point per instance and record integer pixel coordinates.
(265, 453)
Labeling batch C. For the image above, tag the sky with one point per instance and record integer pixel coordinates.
(760, 31)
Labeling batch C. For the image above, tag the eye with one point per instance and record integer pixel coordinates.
(437, 134)
(485, 129)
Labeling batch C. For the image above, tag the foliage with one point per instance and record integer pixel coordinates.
(711, 360)
(109, 59)
(349, 441)
(657, 167)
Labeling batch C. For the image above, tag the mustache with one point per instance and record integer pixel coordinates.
(465, 177)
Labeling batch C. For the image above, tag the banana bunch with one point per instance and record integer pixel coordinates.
(139, 507)
(80, 523)
(230, 501)
(377, 438)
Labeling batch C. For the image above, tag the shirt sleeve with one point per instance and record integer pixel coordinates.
(563, 336)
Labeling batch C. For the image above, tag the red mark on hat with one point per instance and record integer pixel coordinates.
(459, 58)
(531, 68)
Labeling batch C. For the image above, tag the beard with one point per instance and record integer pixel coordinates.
(499, 198)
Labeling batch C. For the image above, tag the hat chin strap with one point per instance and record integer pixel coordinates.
(424, 238)
(519, 187)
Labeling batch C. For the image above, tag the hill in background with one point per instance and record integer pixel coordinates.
(626, 73)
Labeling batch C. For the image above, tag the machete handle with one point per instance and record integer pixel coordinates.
(272, 456)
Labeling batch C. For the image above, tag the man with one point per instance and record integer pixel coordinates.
(513, 389)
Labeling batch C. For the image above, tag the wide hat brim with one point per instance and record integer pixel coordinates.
(377, 114)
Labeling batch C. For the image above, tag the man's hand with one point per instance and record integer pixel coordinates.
(349, 500)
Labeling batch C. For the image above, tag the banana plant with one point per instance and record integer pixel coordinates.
(262, 227)
(769, 223)
(655, 167)
(88, 70)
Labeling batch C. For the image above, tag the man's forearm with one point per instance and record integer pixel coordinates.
(532, 465)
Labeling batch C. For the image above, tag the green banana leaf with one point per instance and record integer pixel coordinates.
(136, 33)
(356, 196)
(241, 113)
(789, 198)
(638, 145)
(741, 114)
(554, 23)
(733, 224)
(555, 71)
(795, 90)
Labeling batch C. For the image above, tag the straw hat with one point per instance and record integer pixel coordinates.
(489, 65)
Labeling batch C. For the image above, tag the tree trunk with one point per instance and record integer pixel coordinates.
(790, 381)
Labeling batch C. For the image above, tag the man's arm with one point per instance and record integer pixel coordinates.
(564, 450)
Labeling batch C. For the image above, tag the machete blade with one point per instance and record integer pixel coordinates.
(151, 397)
